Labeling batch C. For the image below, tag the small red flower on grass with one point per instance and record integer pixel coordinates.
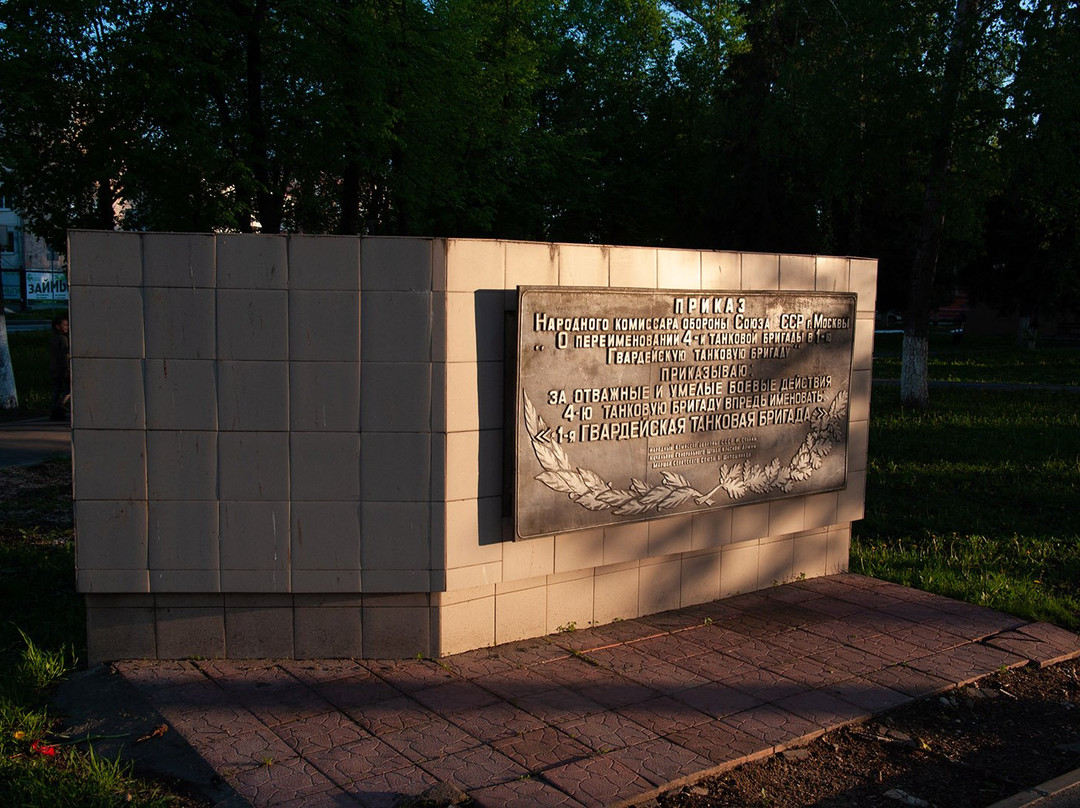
(43, 749)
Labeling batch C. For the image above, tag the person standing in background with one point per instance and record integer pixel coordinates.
(60, 368)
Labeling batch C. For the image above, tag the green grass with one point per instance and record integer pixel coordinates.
(976, 498)
(41, 639)
(984, 360)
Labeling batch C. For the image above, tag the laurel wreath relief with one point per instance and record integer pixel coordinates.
(589, 490)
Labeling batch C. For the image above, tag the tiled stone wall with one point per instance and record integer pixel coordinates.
(499, 590)
(293, 446)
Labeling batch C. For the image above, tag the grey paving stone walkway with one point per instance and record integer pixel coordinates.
(599, 717)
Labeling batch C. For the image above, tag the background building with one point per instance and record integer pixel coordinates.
(34, 276)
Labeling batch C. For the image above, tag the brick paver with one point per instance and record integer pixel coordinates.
(590, 717)
(1042, 643)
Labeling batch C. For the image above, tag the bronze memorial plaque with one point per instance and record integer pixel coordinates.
(636, 404)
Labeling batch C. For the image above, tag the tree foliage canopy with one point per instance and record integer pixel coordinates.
(794, 125)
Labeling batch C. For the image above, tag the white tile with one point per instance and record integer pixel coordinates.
(254, 466)
(106, 322)
(570, 602)
(109, 394)
(324, 396)
(738, 569)
(324, 262)
(678, 269)
(583, 265)
(329, 581)
(474, 532)
(256, 536)
(104, 258)
(831, 274)
(395, 326)
(711, 529)
(527, 559)
(669, 535)
(787, 516)
(797, 272)
(851, 502)
(519, 615)
(327, 632)
(473, 264)
(113, 581)
(820, 510)
(474, 464)
(246, 261)
(864, 283)
(760, 271)
(859, 400)
(466, 625)
(253, 396)
(626, 542)
(750, 521)
(474, 396)
(185, 260)
(475, 324)
(324, 466)
(474, 576)
(660, 586)
(858, 436)
(389, 263)
(324, 326)
(252, 324)
(111, 535)
(395, 397)
(325, 536)
(185, 581)
(615, 595)
(183, 535)
(395, 581)
(811, 554)
(839, 549)
(775, 561)
(633, 267)
(181, 394)
(863, 355)
(700, 577)
(182, 465)
(579, 550)
(181, 323)
(531, 264)
(396, 535)
(721, 271)
(109, 464)
(395, 467)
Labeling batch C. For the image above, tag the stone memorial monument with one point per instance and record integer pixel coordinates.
(317, 446)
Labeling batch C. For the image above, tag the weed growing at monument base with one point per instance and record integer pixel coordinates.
(41, 639)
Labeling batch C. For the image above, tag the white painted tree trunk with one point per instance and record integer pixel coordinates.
(914, 391)
(9, 400)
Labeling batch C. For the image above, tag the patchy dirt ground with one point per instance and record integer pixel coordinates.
(35, 498)
(965, 749)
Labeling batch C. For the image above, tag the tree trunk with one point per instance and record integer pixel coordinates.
(913, 372)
